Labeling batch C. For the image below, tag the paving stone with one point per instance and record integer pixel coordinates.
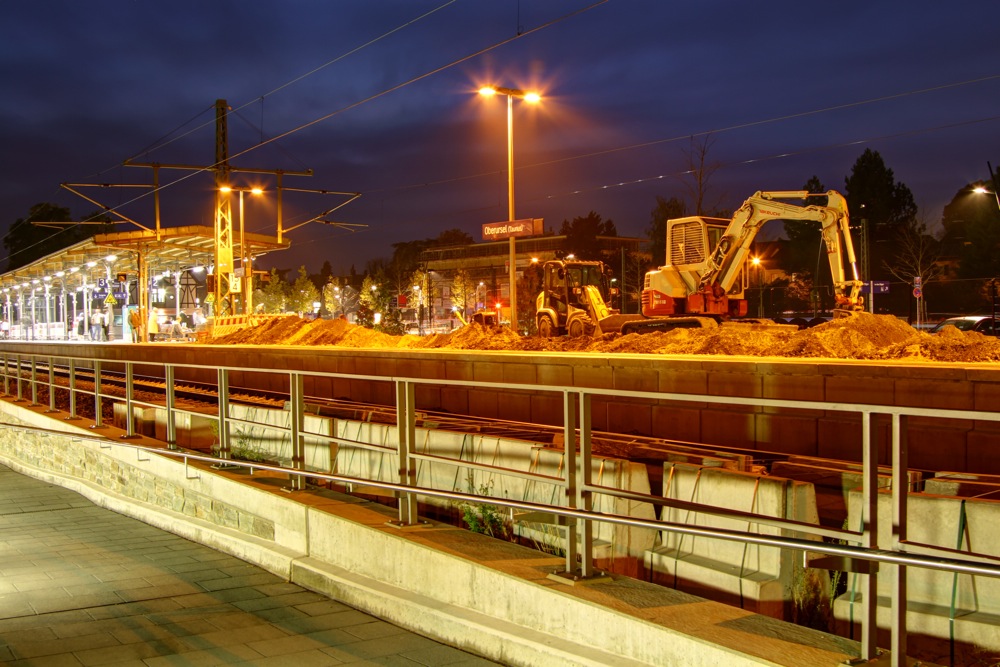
(83, 586)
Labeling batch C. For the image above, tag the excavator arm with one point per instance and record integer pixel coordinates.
(727, 260)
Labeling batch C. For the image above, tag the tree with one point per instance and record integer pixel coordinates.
(271, 298)
(303, 294)
(666, 209)
(339, 298)
(463, 291)
(27, 241)
(699, 172)
(971, 224)
(451, 237)
(581, 235)
(882, 207)
(917, 257)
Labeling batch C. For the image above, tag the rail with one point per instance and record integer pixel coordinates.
(22, 376)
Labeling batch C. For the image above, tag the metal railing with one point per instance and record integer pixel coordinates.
(578, 515)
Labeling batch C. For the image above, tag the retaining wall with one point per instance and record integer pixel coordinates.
(934, 444)
(487, 596)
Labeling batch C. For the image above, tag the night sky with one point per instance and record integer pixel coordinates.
(378, 97)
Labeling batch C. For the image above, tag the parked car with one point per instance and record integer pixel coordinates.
(981, 323)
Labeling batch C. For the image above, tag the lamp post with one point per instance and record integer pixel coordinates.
(760, 285)
(530, 97)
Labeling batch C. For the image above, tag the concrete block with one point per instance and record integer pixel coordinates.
(762, 579)
(630, 418)
(676, 421)
(832, 485)
(597, 377)
(729, 429)
(983, 450)
(949, 395)
(484, 403)
(794, 387)
(845, 388)
(519, 373)
(935, 520)
(744, 385)
(634, 379)
(553, 373)
(937, 448)
(686, 381)
(786, 433)
(488, 372)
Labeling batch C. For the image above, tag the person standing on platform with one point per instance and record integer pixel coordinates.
(154, 325)
(106, 323)
(95, 325)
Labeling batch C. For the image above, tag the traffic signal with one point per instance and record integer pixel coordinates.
(122, 277)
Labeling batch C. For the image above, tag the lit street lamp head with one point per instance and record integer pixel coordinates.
(527, 96)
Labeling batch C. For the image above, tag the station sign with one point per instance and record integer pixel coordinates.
(495, 231)
(875, 287)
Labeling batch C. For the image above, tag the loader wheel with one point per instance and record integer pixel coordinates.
(581, 326)
(545, 327)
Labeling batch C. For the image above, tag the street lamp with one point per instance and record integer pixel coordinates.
(980, 190)
(531, 98)
(755, 261)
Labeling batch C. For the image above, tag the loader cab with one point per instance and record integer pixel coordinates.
(563, 298)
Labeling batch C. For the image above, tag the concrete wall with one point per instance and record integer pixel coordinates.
(765, 579)
(936, 520)
(503, 453)
(934, 444)
(487, 596)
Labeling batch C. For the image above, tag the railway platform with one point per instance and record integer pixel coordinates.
(82, 585)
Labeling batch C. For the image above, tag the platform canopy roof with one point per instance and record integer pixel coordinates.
(176, 249)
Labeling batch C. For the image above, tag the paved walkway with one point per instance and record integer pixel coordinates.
(80, 585)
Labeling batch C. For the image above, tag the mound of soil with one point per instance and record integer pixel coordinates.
(863, 336)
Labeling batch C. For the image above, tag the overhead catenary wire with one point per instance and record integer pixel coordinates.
(366, 100)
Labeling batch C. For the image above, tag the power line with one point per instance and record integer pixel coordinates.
(740, 126)
(776, 156)
(373, 97)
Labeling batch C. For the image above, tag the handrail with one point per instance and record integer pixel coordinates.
(576, 475)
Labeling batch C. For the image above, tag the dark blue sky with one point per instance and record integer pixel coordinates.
(788, 91)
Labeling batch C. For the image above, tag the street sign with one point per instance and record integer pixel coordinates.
(917, 292)
(111, 300)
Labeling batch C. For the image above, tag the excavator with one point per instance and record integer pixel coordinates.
(702, 284)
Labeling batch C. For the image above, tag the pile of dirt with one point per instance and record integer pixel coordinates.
(864, 336)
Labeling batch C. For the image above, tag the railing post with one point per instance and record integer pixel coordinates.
(129, 400)
(900, 496)
(869, 487)
(17, 369)
(223, 422)
(98, 417)
(569, 454)
(6, 375)
(34, 381)
(297, 407)
(72, 390)
(52, 387)
(171, 403)
(584, 497)
(406, 432)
